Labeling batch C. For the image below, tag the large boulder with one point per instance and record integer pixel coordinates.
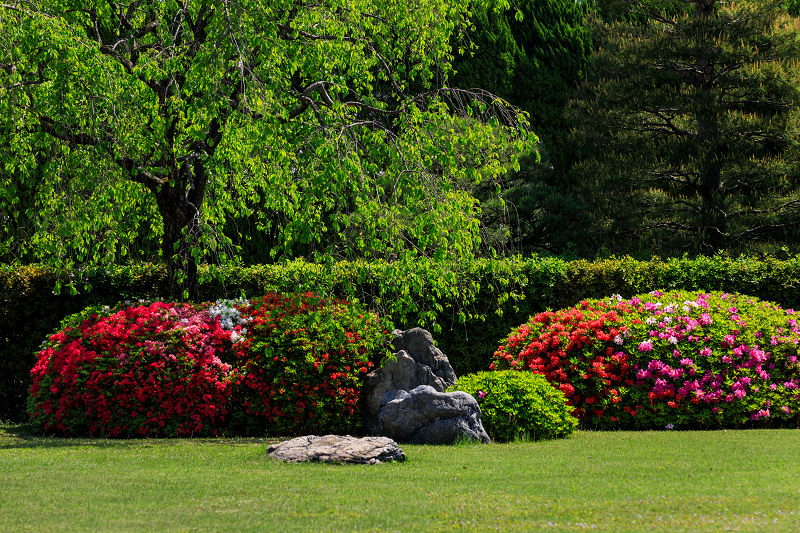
(427, 416)
(417, 362)
(337, 449)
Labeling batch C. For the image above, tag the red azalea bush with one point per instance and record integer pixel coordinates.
(688, 360)
(578, 351)
(147, 370)
(278, 364)
(300, 365)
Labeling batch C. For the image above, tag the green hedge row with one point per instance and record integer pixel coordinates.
(470, 307)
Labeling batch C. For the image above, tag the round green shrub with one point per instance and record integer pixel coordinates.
(519, 405)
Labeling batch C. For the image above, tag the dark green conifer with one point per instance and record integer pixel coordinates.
(534, 55)
(689, 125)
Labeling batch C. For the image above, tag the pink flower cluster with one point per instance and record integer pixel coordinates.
(692, 360)
(706, 361)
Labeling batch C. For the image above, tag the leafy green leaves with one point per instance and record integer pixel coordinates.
(328, 124)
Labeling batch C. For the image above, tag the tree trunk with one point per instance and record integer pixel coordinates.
(180, 212)
(712, 221)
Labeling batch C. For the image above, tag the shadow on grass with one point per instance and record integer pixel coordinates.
(25, 436)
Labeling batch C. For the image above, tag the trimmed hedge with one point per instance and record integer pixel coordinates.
(468, 307)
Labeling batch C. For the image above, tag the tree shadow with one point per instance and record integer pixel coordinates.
(14, 436)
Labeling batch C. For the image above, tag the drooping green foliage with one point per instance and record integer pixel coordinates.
(689, 127)
(164, 119)
(534, 54)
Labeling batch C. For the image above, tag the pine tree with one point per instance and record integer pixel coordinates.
(689, 124)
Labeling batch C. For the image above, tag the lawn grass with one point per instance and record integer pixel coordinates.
(601, 481)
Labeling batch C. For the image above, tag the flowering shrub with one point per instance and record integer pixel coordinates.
(278, 364)
(300, 365)
(578, 350)
(519, 405)
(146, 370)
(678, 360)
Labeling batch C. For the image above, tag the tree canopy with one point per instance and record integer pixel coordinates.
(690, 126)
(534, 54)
(166, 117)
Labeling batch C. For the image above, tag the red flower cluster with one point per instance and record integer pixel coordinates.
(577, 350)
(158, 370)
(152, 370)
(301, 365)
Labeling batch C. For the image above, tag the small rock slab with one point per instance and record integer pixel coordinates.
(337, 449)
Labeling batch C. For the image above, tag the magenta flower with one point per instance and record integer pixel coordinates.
(481, 394)
(759, 355)
(646, 346)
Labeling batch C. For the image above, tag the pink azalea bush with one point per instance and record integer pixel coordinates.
(691, 360)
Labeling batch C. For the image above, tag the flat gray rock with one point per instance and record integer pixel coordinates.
(337, 449)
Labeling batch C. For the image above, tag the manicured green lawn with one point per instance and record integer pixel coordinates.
(615, 481)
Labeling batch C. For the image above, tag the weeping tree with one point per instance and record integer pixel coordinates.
(164, 118)
(690, 126)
